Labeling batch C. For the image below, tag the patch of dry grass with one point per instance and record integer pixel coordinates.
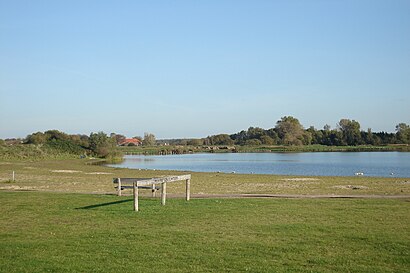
(77, 176)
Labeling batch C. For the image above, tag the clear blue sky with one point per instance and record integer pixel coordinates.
(195, 68)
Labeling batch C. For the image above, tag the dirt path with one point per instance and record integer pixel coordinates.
(289, 196)
(253, 195)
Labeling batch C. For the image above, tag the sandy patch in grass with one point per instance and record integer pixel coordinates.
(65, 171)
(350, 187)
(300, 179)
(15, 187)
(98, 173)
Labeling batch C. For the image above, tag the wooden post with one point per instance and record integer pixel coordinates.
(154, 190)
(188, 189)
(13, 176)
(119, 187)
(163, 193)
(135, 190)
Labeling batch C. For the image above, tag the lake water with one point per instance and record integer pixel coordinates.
(379, 164)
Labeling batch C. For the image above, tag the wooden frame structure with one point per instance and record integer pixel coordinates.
(151, 183)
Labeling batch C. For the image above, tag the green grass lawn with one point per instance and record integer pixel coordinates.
(56, 232)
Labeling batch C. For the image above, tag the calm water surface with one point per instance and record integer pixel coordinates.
(381, 164)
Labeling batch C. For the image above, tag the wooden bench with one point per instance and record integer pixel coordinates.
(151, 183)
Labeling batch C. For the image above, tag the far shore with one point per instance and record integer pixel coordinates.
(185, 149)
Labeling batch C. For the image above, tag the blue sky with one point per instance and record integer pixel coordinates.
(195, 68)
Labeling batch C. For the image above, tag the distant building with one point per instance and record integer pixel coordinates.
(130, 142)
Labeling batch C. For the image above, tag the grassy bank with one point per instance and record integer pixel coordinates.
(49, 232)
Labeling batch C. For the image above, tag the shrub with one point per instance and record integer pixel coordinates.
(65, 146)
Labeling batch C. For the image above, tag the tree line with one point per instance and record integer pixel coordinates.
(96, 144)
(289, 131)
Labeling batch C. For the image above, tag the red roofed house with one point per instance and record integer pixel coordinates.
(130, 142)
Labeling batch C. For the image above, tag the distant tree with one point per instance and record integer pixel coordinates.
(386, 138)
(56, 135)
(84, 141)
(336, 138)
(326, 127)
(183, 142)
(403, 133)
(351, 132)
(149, 139)
(207, 141)
(316, 135)
(138, 137)
(368, 137)
(332, 138)
(81, 140)
(307, 138)
(36, 138)
(102, 145)
(239, 138)
(376, 139)
(290, 131)
(118, 138)
(221, 139)
(267, 140)
(255, 133)
(273, 134)
(195, 142)
(253, 142)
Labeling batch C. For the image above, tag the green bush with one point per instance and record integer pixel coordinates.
(65, 146)
(103, 146)
(32, 152)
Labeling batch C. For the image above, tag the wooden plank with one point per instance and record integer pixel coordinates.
(125, 180)
(163, 193)
(119, 187)
(139, 187)
(154, 190)
(155, 180)
(188, 189)
(135, 190)
(166, 179)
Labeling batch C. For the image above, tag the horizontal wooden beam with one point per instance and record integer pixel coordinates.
(139, 187)
(128, 180)
(155, 180)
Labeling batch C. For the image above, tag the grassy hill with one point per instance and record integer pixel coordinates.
(39, 152)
